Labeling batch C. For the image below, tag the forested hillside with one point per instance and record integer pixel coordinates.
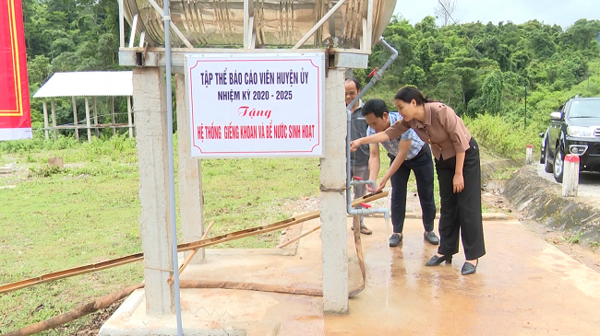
(484, 72)
(69, 35)
(479, 69)
(484, 68)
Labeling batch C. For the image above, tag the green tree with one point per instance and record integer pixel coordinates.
(427, 26)
(423, 55)
(491, 93)
(445, 81)
(415, 76)
(582, 36)
(541, 44)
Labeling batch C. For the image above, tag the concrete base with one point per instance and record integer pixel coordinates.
(237, 312)
(217, 312)
(523, 286)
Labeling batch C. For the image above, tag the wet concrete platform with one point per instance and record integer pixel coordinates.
(523, 286)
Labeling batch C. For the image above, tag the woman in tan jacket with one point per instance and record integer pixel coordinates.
(457, 164)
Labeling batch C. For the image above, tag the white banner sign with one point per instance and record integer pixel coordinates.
(256, 105)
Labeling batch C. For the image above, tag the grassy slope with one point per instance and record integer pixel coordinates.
(89, 212)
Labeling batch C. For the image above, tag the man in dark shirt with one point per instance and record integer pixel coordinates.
(359, 160)
(407, 153)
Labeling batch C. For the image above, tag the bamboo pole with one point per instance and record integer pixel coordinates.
(189, 257)
(318, 24)
(181, 247)
(87, 119)
(71, 272)
(112, 113)
(53, 118)
(78, 312)
(248, 232)
(129, 117)
(121, 24)
(46, 131)
(75, 121)
(96, 118)
(299, 237)
(108, 300)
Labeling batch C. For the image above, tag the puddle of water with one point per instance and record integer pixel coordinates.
(388, 269)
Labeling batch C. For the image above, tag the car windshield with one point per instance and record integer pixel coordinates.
(585, 109)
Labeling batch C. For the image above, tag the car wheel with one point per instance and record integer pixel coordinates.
(558, 165)
(547, 164)
(543, 151)
(543, 157)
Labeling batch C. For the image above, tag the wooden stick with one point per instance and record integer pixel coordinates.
(252, 286)
(87, 119)
(112, 113)
(75, 121)
(181, 247)
(271, 227)
(71, 272)
(109, 299)
(189, 257)
(78, 312)
(53, 118)
(299, 237)
(46, 126)
(205, 234)
(129, 120)
(112, 298)
(96, 118)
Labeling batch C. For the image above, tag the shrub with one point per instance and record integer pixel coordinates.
(502, 137)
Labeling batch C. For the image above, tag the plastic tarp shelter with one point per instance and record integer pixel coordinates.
(88, 83)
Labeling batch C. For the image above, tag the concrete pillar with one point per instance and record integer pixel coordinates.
(189, 174)
(349, 73)
(333, 198)
(529, 155)
(570, 181)
(151, 139)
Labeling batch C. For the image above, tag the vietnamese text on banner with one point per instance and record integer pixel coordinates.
(256, 105)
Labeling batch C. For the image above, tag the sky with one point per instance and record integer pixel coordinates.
(561, 12)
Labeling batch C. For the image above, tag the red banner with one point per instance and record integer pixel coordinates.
(15, 118)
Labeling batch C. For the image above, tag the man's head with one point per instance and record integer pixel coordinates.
(352, 87)
(376, 114)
